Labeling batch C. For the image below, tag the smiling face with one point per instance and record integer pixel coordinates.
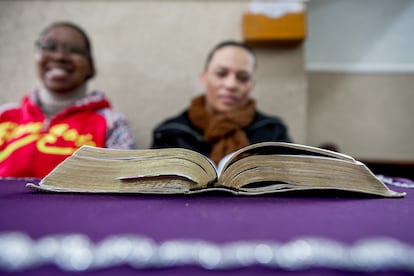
(62, 59)
(228, 79)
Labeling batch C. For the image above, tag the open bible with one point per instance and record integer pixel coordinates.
(262, 168)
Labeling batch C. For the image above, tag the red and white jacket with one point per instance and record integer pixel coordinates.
(31, 145)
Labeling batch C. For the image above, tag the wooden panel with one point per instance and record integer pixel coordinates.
(261, 28)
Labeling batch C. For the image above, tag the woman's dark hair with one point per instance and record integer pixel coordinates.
(226, 44)
(85, 37)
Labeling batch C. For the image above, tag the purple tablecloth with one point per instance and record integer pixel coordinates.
(215, 218)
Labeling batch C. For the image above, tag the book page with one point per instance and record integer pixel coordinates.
(93, 169)
(280, 148)
(273, 167)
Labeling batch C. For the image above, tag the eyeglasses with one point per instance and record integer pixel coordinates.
(53, 47)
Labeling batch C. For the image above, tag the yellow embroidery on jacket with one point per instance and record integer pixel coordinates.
(29, 133)
(16, 145)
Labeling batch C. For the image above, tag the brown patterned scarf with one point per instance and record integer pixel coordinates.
(224, 131)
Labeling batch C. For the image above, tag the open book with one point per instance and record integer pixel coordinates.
(262, 168)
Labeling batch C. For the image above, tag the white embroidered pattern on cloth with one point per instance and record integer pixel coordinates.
(76, 252)
(396, 181)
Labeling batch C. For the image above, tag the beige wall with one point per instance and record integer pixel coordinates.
(361, 76)
(366, 115)
(148, 56)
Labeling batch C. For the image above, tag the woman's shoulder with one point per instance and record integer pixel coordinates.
(177, 125)
(179, 119)
(267, 128)
(262, 118)
(96, 98)
(99, 101)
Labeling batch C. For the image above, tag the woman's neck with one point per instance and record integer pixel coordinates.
(52, 103)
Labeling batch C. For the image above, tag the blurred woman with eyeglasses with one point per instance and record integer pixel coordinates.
(60, 115)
